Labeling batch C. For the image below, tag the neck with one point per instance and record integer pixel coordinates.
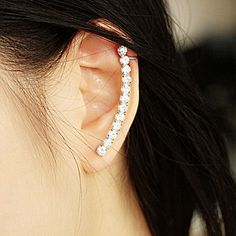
(111, 206)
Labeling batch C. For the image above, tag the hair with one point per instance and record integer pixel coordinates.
(177, 158)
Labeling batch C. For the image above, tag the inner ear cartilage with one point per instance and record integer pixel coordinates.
(123, 103)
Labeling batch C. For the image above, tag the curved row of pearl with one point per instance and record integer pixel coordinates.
(123, 104)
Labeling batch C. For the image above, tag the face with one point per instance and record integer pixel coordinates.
(34, 190)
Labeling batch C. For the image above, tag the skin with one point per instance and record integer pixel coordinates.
(85, 196)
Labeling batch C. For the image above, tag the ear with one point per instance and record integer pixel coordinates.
(100, 71)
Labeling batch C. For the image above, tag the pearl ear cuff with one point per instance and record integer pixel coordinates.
(123, 103)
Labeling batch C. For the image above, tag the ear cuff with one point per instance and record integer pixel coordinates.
(123, 104)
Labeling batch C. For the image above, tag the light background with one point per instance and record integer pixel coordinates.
(200, 18)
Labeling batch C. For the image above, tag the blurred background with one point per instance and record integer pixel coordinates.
(206, 31)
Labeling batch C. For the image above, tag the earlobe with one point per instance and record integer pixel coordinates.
(112, 85)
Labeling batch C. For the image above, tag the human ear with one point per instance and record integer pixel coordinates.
(100, 71)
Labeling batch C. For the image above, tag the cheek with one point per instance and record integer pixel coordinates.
(32, 202)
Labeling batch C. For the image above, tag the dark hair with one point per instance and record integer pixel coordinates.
(176, 156)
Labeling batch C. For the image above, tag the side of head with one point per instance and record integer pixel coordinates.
(59, 64)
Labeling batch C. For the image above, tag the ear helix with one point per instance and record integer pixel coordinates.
(123, 104)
